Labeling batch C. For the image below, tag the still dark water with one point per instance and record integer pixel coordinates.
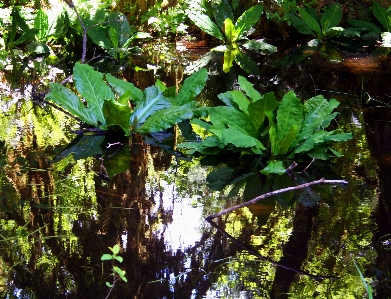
(59, 213)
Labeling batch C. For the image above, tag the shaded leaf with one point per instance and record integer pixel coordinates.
(205, 24)
(331, 18)
(221, 12)
(310, 21)
(299, 24)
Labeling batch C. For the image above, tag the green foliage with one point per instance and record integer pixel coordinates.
(233, 34)
(117, 272)
(309, 22)
(113, 33)
(259, 124)
(108, 106)
(366, 285)
(171, 21)
(47, 26)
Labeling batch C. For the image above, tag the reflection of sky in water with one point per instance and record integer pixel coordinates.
(184, 230)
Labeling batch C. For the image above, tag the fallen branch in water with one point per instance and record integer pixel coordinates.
(258, 198)
(254, 252)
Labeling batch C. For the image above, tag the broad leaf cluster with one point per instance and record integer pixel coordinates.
(252, 123)
(309, 22)
(114, 103)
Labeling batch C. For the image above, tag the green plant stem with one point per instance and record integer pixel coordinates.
(115, 279)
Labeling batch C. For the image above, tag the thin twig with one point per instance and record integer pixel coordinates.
(247, 203)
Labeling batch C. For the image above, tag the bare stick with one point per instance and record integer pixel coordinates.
(264, 258)
(247, 203)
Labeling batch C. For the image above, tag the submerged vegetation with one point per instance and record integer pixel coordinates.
(247, 138)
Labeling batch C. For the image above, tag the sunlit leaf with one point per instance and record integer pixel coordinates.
(249, 89)
(116, 248)
(289, 113)
(382, 15)
(92, 88)
(192, 86)
(230, 32)
(229, 57)
(121, 86)
(116, 113)
(154, 100)
(248, 20)
(274, 166)
(41, 23)
(240, 139)
(167, 118)
(106, 257)
(71, 103)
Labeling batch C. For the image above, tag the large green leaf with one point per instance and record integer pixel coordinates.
(221, 12)
(71, 103)
(230, 33)
(299, 24)
(205, 24)
(82, 147)
(121, 86)
(316, 109)
(367, 25)
(331, 18)
(41, 23)
(248, 20)
(229, 57)
(237, 97)
(310, 21)
(192, 87)
(321, 137)
(154, 100)
(262, 108)
(286, 142)
(120, 27)
(260, 46)
(91, 86)
(229, 116)
(249, 89)
(274, 166)
(117, 114)
(289, 113)
(58, 22)
(240, 139)
(98, 34)
(382, 15)
(247, 63)
(167, 118)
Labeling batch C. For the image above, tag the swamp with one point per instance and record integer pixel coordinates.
(195, 149)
